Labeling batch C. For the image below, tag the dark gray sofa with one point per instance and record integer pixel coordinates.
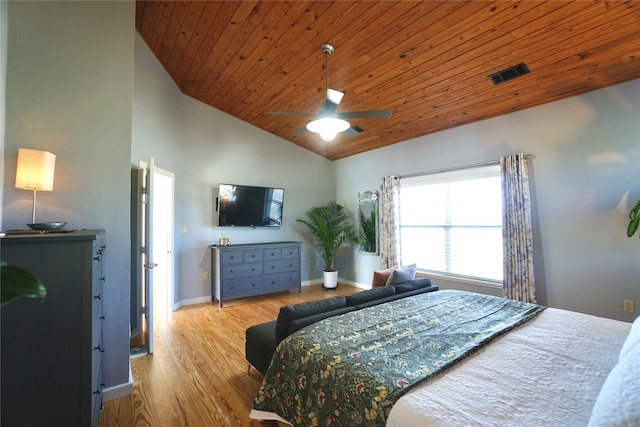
(262, 339)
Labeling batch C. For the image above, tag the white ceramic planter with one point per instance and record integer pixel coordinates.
(330, 279)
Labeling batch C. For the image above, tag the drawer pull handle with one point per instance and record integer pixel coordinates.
(99, 296)
(99, 348)
(103, 278)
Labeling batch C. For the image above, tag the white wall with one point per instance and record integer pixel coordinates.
(204, 147)
(156, 129)
(69, 90)
(586, 177)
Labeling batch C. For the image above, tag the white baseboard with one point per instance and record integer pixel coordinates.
(120, 390)
(207, 298)
(191, 301)
(354, 284)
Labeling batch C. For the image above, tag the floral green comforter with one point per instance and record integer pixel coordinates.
(349, 370)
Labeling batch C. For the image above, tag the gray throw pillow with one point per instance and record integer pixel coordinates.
(402, 274)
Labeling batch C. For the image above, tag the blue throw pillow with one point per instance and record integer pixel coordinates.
(402, 274)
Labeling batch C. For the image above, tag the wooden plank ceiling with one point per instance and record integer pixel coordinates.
(428, 61)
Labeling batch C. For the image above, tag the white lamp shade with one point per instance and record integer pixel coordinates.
(35, 170)
(328, 127)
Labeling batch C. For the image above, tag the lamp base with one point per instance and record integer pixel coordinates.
(47, 226)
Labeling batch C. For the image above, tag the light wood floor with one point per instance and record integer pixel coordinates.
(197, 375)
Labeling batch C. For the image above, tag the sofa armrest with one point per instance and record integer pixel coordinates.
(289, 313)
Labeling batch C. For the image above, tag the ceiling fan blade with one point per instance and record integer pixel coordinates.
(372, 114)
(333, 100)
(291, 113)
(298, 132)
(334, 96)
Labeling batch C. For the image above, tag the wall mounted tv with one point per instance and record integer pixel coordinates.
(249, 206)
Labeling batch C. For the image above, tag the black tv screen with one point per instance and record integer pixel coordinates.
(249, 206)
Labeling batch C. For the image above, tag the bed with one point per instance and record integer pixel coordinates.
(452, 358)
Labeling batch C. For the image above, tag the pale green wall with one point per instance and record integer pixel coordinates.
(585, 178)
(204, 147)
(70, 91)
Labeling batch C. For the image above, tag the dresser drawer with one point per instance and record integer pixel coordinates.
(241, 270)
(253, 255)
(243, 286)
(280, 266)
(282, 281)
(291, 252)
(272, 254)
(232, 257)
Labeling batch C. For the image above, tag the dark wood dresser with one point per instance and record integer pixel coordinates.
(52, 349)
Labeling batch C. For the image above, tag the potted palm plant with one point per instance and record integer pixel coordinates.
(331, 227)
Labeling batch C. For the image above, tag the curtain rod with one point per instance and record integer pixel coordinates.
(453, 168)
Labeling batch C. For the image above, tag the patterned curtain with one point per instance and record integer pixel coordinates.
(517, 231)
(389, 221)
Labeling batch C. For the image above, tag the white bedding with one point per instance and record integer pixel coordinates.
(547, 372)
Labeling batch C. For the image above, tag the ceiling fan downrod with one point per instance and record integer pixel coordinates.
(327, 49)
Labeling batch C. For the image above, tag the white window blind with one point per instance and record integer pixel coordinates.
(451, 222)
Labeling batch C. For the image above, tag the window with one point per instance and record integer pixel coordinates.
(451, 222)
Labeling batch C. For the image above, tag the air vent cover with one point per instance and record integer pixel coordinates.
(509, 74)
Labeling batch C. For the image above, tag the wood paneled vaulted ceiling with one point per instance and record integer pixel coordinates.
(428, 61)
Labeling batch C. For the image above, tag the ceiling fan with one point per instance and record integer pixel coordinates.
(328, 122)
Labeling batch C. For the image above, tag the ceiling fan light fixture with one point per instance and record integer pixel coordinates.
(328, 127)
(328, 136)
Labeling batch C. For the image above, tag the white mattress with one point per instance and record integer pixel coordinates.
(547, 372)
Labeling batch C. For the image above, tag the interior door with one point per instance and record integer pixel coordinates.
(163, 207)
(148, 263)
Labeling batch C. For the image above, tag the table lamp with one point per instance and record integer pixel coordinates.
(35, 172)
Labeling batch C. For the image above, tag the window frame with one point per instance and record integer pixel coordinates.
(448, 176)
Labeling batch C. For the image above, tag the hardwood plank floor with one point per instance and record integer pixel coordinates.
(197, 375)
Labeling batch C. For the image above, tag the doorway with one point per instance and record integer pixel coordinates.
(152, 299)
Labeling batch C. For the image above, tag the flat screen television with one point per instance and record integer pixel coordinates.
(249, 206)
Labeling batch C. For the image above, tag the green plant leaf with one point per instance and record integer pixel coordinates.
(368, 230)
(16, 282)
(634, 223)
